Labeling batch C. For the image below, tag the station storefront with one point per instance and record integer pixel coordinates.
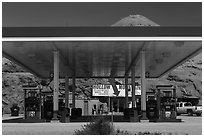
(115, 102)
(39, 101)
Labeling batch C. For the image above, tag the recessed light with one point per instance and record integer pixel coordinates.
(166, 54)
(39, 62)
(152, 67)
(32, 55)
(159, 61)
(179, 43)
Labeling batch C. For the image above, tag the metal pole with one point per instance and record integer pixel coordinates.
(56, 84)
(118, 105)
(126, 76)
(135, 117)
(133, 78)
(25, 116)
(73, 77)
(126, 91)
(66, 112)
(73, 91)
(66, 91)
(133, 87)
(112, 111)
(109, 105)
(143, 86)
(40, 109)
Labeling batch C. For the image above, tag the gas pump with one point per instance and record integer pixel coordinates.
(47, 105)
(166, 103)
(151, 105)
(39, 103)
(32, 95)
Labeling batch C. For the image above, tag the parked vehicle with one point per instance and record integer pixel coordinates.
(188, 108)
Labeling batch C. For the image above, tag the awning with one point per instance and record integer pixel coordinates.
(101, 58)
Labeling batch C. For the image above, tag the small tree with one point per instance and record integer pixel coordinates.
(99, 126)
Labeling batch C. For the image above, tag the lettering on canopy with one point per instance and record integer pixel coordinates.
(107, 90)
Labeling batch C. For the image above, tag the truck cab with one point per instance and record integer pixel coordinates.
(188, 108)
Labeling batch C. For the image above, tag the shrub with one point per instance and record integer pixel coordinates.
(102, 126)
(148, 133)
(121, 132)
(99, 126)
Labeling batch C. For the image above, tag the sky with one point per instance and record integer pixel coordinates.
(70, 14)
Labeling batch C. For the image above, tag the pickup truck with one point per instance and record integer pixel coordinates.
(188, 108)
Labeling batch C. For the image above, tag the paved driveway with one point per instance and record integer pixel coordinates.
(191, 126)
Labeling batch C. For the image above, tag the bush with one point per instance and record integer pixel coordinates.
(102, 126)
(121, 132)
(99, 126)
(148, 133)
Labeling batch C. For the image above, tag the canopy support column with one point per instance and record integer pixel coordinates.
(66, 113)
(67, 109)
(133, 87)
(126, 76)
(73, 91)
(73, 76)
(143, 86)
(56, 84)
(133, 118)
(126, 91)
(66, 91)
(118, 105)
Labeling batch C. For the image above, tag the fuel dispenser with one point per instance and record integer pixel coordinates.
(151, 106)
(32, 104)
(166, 103)
(39, 104)
(47, 106)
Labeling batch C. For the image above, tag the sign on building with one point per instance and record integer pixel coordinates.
(107, 90)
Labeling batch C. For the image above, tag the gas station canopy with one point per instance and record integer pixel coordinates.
(99, 58)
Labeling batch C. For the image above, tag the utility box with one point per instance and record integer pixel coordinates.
(15, 110)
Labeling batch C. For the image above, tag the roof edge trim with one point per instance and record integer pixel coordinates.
(142, 31)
